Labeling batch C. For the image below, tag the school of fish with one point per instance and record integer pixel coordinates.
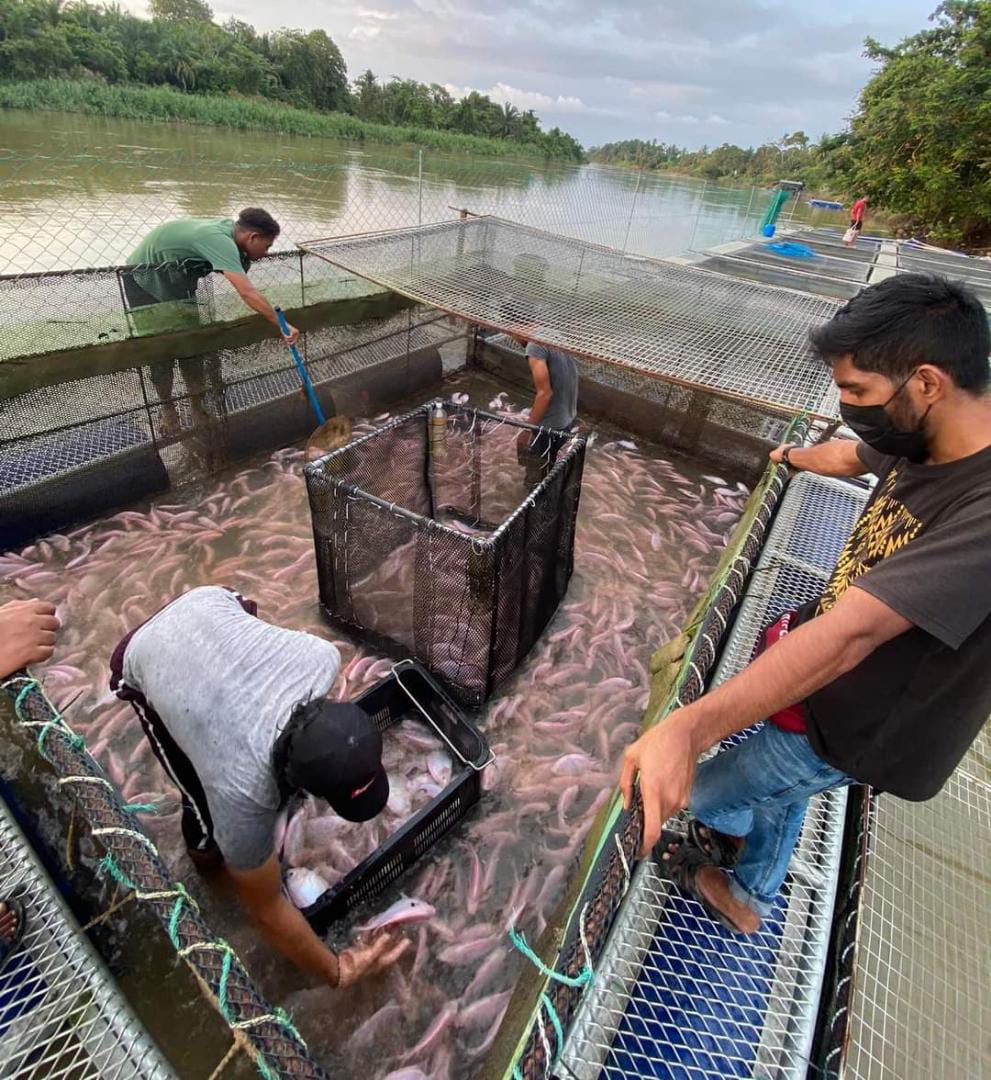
(650, 531)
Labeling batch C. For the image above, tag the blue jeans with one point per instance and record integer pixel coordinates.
(760, 789)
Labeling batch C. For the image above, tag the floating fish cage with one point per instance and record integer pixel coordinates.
(435, 539)
(99, 409)
(409, 694)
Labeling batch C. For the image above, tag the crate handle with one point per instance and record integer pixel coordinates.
(430, 720)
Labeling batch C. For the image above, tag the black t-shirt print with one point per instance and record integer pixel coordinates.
(904, 717)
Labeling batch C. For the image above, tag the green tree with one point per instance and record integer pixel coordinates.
(310, 69)
(921, 140)
(180, 10)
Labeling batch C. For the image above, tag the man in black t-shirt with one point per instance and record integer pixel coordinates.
(884, 680)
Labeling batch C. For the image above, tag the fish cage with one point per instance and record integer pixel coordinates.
(732, 339)
(410, 694)
(437, 537)
(85, 436)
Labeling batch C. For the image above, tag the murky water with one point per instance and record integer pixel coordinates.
(81, 191)
(650, 531)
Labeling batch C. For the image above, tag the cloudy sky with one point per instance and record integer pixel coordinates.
(683, 71)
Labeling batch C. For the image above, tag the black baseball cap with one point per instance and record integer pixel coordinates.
(336, 755)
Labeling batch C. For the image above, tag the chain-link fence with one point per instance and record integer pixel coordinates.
(67, 207)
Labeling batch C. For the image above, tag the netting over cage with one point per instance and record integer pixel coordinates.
(736, 338)
(446, 542)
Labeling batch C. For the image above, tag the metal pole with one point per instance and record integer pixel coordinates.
(419, 187)
(633, 206)
(698, 214)
(746, 220)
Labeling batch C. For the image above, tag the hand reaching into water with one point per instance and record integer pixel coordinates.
(363, 960)
(665, 759)
(27, 634)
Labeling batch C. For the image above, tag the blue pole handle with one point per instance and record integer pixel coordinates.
(301, 368)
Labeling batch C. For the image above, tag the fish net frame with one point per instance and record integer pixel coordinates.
(265, 1033)
(736, 339)
(595, 897)
(504, 582)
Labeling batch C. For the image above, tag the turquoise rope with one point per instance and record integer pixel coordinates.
(583, 978)
(108, 865)
(141, 808)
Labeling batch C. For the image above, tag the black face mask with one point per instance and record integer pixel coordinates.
(873, 424)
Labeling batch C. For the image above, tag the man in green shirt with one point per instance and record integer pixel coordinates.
(167, 267)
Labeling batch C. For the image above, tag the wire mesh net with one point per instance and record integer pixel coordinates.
(43, 312)
(674, 988)
(920, 1002)
(61, 1016)
(732, 337)
(67, 207)
(437, 536)
(81, 446)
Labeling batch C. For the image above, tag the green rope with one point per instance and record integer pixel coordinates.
(583, 978)
(555, 1020)
(141, 808)
(182, 897)
(108, 865)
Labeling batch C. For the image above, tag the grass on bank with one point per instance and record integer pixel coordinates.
(245, 114)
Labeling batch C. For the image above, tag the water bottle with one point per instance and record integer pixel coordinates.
(438, 430)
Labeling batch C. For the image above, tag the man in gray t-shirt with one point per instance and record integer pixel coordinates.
(236, 711)
(555, 382)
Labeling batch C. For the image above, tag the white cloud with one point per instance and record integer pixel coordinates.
(364, 32)
(504, 94)
(715, 120)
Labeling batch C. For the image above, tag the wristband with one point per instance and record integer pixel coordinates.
(786, 454)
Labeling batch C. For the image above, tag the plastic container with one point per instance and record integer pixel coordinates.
(410, 695)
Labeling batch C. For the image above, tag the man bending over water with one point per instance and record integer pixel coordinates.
(237, 713)
(884, 679)
(169, 264)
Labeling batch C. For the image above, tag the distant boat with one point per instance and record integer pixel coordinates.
(824, 204)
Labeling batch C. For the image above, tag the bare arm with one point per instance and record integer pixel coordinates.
(804, 661)
(288, 931)
(837, 457)
(257, 302)
(542, 386)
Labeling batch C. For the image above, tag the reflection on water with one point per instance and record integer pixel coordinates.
(81, 191)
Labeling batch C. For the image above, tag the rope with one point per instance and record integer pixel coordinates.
(267, 1035)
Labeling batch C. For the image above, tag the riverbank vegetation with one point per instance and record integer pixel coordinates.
(919, 143)
(180, 65)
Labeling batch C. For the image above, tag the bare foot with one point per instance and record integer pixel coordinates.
(704, 834)
(713, 884)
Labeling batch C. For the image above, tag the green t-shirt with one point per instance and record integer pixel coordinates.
(179, 253)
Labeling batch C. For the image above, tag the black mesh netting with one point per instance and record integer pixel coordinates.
(448, 541)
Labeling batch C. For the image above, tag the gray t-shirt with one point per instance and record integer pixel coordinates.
(564, 386)
(224, 683)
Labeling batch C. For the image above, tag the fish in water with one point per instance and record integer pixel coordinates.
(332, 435)
(647, 540)
(305, 886)
(406, 909)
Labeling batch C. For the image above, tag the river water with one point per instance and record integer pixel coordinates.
(81, 191)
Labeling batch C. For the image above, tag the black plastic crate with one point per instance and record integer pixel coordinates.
(410, 693)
